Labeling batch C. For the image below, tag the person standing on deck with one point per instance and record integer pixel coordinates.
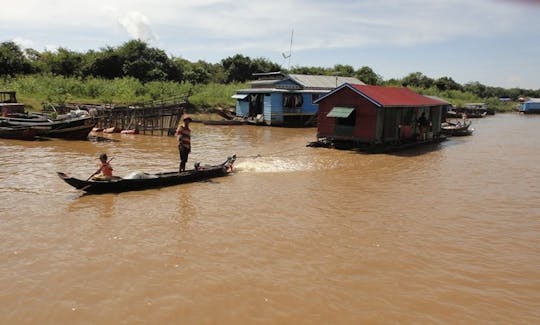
(183, 134)
(423, 125)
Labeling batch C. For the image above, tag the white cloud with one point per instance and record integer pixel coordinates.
(267, 24)
(137, 26)
(23, 42)
(134, 23)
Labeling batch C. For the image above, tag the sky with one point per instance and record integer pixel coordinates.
(494, 42)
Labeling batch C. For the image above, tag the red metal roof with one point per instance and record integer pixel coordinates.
(395, 96)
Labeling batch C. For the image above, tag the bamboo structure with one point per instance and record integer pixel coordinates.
(154, 117)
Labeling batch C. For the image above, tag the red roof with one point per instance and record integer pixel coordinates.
(395, 96)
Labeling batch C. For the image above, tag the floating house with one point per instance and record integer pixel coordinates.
(531, 106)
(285, 100)
(376, 117)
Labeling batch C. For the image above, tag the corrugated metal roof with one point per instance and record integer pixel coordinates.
(324, 82)
(396, 96)
(261, 90)
(437, 98)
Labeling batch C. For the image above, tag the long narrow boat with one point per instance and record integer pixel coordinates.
(18, 132)
(69, 127)
(142, 181)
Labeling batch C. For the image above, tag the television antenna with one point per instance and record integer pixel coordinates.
(287, 55)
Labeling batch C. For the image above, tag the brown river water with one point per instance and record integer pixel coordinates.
(444, 234)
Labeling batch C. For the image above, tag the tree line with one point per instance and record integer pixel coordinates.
(138, 60)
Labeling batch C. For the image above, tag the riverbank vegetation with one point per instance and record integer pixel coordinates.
(135, 72)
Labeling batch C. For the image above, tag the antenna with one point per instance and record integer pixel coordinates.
(288, 55)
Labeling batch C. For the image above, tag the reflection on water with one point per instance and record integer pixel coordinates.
(443, 234)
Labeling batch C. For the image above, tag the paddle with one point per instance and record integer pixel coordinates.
(99, 170)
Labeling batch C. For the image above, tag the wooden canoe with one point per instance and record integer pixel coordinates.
(146, 181)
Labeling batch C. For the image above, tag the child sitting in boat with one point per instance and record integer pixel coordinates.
(105, 170)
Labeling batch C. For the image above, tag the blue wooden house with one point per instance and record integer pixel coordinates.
(285, 100)
(531, 106)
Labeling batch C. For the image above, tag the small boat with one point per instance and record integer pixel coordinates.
(112, 129)
(474, 110)
(18, 132)
(130, 131)
(142, 181)
(458, 128)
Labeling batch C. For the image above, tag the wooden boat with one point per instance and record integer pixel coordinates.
(142, 181)
(458, 128)
(473, 110)
(112, 129)
(18, 132)
(130, 131)
(67, 127)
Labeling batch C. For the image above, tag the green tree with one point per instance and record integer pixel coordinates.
(417, 79)
(199, 73)
(476, 88)
(238, 68)
(447, 83)
(368, 76)
(264, 65)
(143, 62)
(12, 59)
(107, 63)
(343, 70)
(177, 70)
(63, 62)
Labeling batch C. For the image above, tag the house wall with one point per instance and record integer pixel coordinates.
(365, 129)
(273, 109)
(530, 107)
(242, 107)
(395, 120)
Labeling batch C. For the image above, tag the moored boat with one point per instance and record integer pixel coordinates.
(75, 127)
(18, 132)
(474, 110)
(459, 128)
(142, 181)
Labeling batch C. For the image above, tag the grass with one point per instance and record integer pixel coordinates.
(37, 90)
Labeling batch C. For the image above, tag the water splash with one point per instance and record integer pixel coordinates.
(271, 165)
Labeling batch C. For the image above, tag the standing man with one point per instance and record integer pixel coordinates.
(423, 125)
(183, 134)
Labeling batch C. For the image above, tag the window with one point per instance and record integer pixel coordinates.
(293, 100)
